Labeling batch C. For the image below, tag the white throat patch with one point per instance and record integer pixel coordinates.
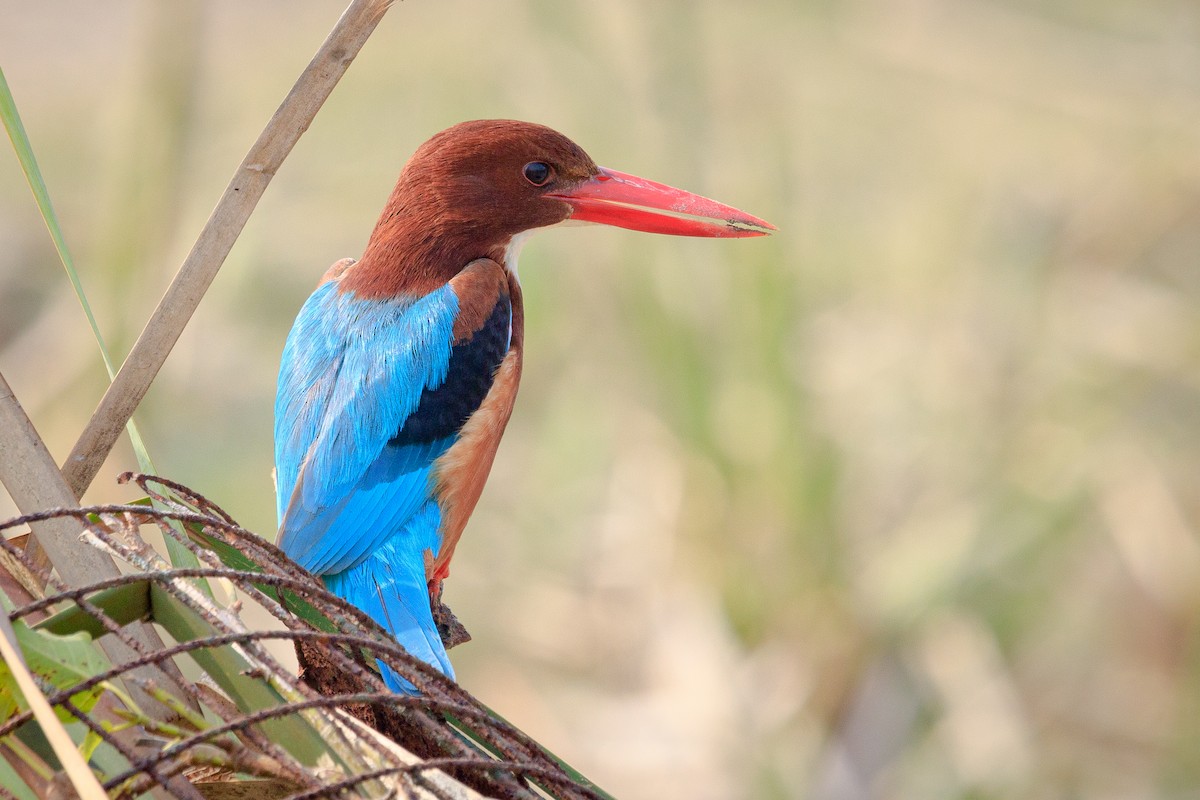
(513, 251)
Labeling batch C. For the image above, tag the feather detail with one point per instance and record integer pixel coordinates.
(459, 475)
(372, 394)
(352, 373)
(389, 586)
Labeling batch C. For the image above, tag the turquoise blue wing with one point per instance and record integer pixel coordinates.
(353, 372)
(371, 393)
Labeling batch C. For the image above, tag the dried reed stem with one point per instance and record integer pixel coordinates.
(31, 477)
(216, 240)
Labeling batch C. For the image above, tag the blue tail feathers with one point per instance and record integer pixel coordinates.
(390, 586)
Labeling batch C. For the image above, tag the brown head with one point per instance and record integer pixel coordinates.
(470, 189)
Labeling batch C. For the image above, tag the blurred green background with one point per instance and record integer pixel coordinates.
(899, 503)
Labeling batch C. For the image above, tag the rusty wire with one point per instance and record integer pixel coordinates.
(508, 763)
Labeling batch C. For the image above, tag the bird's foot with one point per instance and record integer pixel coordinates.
(452, 631)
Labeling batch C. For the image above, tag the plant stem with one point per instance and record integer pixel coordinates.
(216, 239)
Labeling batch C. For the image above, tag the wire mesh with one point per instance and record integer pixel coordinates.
(373, 742)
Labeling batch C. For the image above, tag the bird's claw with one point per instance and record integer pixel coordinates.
(449, 628)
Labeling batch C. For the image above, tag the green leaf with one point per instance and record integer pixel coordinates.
(235, 559)
(91, 740)
(57, 661)
(121, 604)
(234, 675)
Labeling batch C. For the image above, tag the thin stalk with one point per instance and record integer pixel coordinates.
(37, 184)
(84, 782)
(224, 226)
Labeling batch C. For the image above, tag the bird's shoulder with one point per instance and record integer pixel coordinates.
(481, 333)
(481, 287)
(337, 270)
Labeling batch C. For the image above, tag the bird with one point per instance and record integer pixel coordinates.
(401, 369)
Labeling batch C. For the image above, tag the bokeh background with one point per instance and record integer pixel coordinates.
(899, 503)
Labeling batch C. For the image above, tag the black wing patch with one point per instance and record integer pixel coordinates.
(473, 363)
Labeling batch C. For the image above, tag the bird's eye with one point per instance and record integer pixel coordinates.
(538, 173)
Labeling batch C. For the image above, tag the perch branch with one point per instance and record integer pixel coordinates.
(31, 477)
(216, 239)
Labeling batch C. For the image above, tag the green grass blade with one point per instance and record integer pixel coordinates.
(180, 555)
(33, 174)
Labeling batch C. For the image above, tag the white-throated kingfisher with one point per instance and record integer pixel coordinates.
(400, 372)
